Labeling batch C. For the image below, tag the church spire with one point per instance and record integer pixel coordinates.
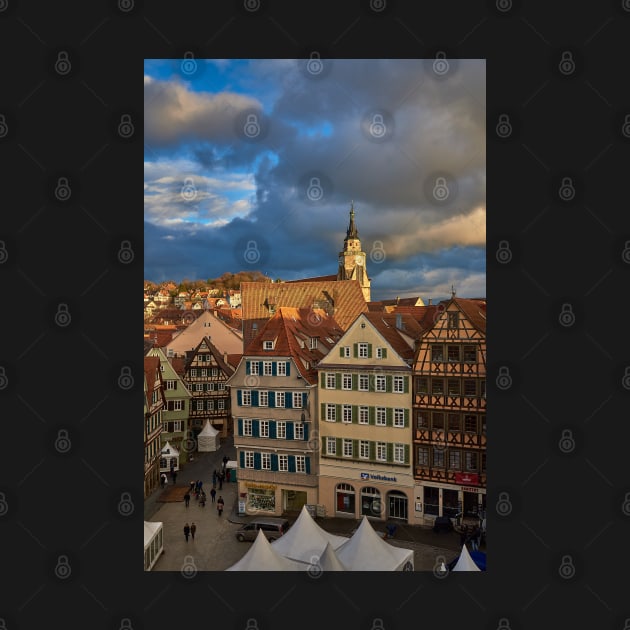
(352, 228)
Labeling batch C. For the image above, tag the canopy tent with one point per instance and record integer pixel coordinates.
(153, 543)
(465, 562)
(262, 557)
(328, 560)
(208, 439)
(367, 551)
(169, 458)
(305, 539)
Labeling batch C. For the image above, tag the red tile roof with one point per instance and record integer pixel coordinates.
(328, 278)
(151, 371)
(218, 356)
(474, 310)
(381, 322)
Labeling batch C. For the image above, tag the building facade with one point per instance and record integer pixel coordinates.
(153, 408)
(274, 401)
(365, 463)
(449, 412)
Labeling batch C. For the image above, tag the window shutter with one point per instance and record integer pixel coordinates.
(372, 382)
(406, 453)
(322, 412)
(260, 368)
(247, 368)
(338, 415)
(239, 397)
(390, 452)
(341, 351)
(291, 463)
(240, 426)
(355, 350)
(355, 382)
(274, 461)
(384, 353)
(307, 464)
(371, 415)
(304, 397)
(406, 418)
(274, 368)
(288, 400)
(338, 448)
(324, 451)
(388, 383)
(406, 384)
(257, 463)
(290, 432)
(255, 398)
(255, 428)
(355, 448)
(272, 429)
(389, 416)
(288, 368)
(272, 399)
(355, 414)
(337, 380)
(306, 431)
(369, 350)
(322, 380)
(242, 459)
(372, 451)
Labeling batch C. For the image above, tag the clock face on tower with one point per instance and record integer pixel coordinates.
(358, 260)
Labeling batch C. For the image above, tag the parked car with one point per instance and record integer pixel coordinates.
(272, 528)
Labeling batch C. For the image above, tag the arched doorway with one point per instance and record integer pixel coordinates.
(371, 504)
(397, 505)
(345, 499)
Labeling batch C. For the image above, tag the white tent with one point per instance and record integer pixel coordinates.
(208, 439)
(169, 458)
(328, 561)
(153, 543)
(367, 551)
(465, 562)
(306, 540)
(262, 557)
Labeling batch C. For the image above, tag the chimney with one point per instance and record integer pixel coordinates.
(429, 302)
(225, 357)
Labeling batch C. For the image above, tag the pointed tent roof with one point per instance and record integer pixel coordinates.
(465, 562)
(305, 539)
(170, 448)
(262, 557)
(150, 530)
(328, 561)
(367, 551)
(208, 430)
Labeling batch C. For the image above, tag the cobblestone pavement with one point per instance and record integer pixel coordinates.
(215, 547)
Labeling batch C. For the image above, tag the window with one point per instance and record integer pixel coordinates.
(331, 446)
(220, 404)
(470, 387)
(193, 372)
(399, 417)
(283, 463)
(470, 354)
(264, 428)
(381, 353)
(267, 369)
(454, 422)
(221, 387)
(422, 385)
(399, 453)
(399, 384)
(170, 384)
(249, 459)
(210, 387)
(214, 370)
(246, 399)
(347, 413)
(297, 400)
(381, 417)
(438, 420)
(363, 415)
(346, 381)
(422, 419)
(381, 451)
(253, 368)
(363, 350)
(470, 460)
(279, 399)
(438, 457)
(453, 320)
(453, 386)
(437, 353)
(174, 426)
(330, 380)
(347, 447)
(364, 382)
(198, 387)
(247, 426)
(265, 461)
(380, 383)
(281, 430)
(263, 398)
(364, 449)
(331, 412)
(200, 405)
(204, 372)
(281, 368)
(453, 351)
(313, 343)
(300, 463)
(345, 352)
(423, 456)
(267, 345)
(454, 460)
(437, 385)
(470, 424)
(298, 431)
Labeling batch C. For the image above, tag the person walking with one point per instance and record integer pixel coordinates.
(202, 499)
(187, 498)
(192, 487)
(220, 505)
(186, 531)
(221, 477)
(213, 494)
(226, 459)
(162, 480)
(193, 529)
(214, 477)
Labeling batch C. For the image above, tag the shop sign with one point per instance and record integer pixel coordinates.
(465, 489)
(261, 486)
(365, 476)
(467, 479)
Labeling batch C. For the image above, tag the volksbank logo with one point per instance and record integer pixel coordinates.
(365, 476)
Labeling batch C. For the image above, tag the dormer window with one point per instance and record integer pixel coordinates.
(268, 345)
(313, 343)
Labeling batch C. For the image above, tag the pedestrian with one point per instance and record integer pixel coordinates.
(202, 499)
(193, 529)
(220, 505)
(474, 538)
(221, 478)
(192, 486)
(187, 498)
(162, 479)
(213, 494)
(226, 459)
(186, 531)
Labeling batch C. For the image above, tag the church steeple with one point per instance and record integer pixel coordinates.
(352, 228)
(352, 258)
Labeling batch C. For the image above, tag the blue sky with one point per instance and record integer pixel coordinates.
(253, 165)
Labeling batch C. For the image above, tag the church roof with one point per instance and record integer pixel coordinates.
(352, 232)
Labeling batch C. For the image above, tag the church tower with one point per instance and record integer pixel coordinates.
(352, 259)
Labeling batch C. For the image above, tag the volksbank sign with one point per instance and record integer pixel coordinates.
(366, 476)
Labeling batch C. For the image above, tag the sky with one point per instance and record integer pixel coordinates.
(254, 165)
